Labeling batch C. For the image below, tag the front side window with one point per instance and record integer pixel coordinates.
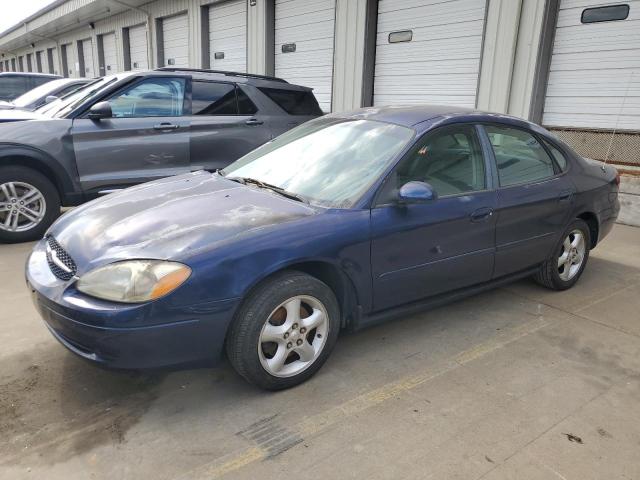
(154, 97)
(329, 161)
(213, 98)
(520, 158)
(449, 159)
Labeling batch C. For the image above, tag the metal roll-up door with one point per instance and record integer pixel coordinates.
(594, 77)
(175, 40)
(428, 52)
(138, 47)
(53, 64)
(87, 57)
(228, 36)
(304, 33)
(109, 54)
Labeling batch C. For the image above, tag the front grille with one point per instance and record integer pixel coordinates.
(60, 263)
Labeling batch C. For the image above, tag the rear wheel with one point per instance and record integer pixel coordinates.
(284, 331)
(569, 259)
(29, 203)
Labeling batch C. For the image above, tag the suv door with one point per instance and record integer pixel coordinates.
(147, 137)
(225, 125)
(421, 250)
(534, 199)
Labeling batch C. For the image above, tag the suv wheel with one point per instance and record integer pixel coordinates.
(284, 331)
(29, 203)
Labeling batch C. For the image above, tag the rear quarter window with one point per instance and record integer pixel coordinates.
(294, 102)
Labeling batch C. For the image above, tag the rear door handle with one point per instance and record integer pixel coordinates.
(481, 214)
(565, 195)
(166, 126)
(254, 121)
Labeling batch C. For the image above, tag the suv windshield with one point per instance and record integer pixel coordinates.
(328, 161)
(64, 105)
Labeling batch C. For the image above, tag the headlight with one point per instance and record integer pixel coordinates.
(134, 281)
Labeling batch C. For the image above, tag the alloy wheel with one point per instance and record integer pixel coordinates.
(22, 206)
(293, 336)
(572, 255)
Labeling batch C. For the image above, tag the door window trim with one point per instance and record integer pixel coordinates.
(556, 169)
(490, 183)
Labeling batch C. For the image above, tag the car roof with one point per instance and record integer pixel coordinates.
(28, 74)
(412, 115)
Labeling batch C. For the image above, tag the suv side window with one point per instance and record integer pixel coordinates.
(449, 159)
(154, 97)
(213, 98)
(294, 102)
(559, 157)
(13, 86)
(519, 156)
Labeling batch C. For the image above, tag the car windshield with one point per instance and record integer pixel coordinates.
(39, 92)
(328, 161)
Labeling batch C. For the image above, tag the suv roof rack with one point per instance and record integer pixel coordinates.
(222, 72)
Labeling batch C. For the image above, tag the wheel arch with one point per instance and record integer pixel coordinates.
(593, 223)
(40, 162)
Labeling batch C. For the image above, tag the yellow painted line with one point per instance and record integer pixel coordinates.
(338, 414)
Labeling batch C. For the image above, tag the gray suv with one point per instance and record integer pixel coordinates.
(129, 128)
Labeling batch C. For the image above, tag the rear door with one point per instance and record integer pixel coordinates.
(147, 138)
(534, 199)
(225, 124)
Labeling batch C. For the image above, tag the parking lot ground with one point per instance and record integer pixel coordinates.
(518, 383)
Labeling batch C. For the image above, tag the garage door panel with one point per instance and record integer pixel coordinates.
(87, 53)
(138, 47)
(441, 62)
(228, 35)
(175, 32)
(310, 26)
(110, 53)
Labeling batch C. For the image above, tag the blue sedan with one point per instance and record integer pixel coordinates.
(340, 223)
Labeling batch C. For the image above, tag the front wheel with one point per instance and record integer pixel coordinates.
(29, 203)
(569, 258)
(284, 331)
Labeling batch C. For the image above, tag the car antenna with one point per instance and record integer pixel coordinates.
(615, 128)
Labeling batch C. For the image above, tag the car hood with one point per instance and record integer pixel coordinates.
(16, 114)
(172, 218)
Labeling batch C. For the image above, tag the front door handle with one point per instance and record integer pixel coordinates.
(166, 126)
(481, 214)
(254, 121)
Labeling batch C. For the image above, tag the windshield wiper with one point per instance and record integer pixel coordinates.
(268, 186)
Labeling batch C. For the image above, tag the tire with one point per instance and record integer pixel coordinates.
(555, 276)
(41, 197)
(269, 312)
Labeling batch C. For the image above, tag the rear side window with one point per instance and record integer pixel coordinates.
(213, 98)
(245, 105)
(558, 156)
(294, 102)
(519, 156)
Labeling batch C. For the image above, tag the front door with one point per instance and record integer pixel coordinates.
(147, 138)
(225, 125)
(421, 250)
(534, 199)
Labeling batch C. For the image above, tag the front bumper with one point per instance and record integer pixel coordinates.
(150, 335)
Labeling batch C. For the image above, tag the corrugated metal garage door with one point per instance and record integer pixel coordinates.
(53, 65)
(594, 66)
(87, 56)
(109, 53)
(175, 38)
(138, 47)
(304, 45)
(228, 36)
(433, 54)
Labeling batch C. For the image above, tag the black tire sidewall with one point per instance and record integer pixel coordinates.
(584, 228)
(48, 190)
(244, 333)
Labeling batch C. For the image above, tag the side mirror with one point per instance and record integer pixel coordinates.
(416, 192)
(100, 110)
(50, 98)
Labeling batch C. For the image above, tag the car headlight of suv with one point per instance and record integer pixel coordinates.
(134, 281)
